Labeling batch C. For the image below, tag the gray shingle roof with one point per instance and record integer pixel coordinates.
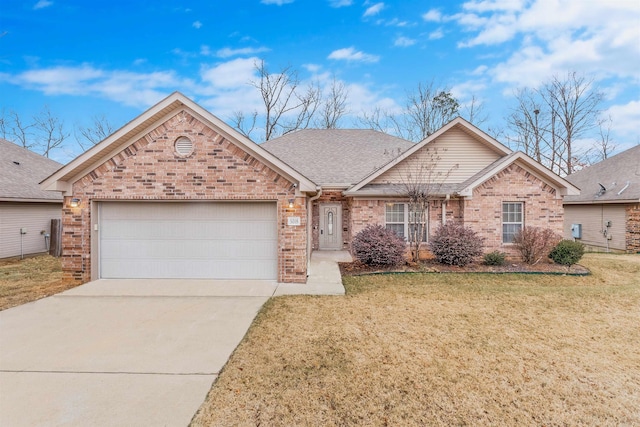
(613, 173)
(21, 171)
(336, 156)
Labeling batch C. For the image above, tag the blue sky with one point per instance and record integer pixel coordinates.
(116, 59)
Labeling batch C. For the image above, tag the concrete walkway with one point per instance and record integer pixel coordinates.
(131, 352)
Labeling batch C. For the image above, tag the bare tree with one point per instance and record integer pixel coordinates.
(43, 133)
(427, 108)
(333, 106)
(287, 107)
(99, 130)
(548, 121)
(50, 131)
(474, 111)
(421, 184)
(605, 145)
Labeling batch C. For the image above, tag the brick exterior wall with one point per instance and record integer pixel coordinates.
(150, 169)
(331, 196)
(483, 212)
(632, 235)
(365, 212)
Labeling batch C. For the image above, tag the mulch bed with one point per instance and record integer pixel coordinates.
(357, 268)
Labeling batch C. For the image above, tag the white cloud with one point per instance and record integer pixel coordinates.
(404, 42)
(228, 52)
(312, 68)
(340, 3)
(350, 54)
(373, 10)
(42, 4)
(433, 15)
(436, 35)
(197, 25)
(231, 74)
(129, 88)
(276, 2)
(542, 38)
(625, 120)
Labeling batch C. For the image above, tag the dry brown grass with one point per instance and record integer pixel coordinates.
(443, 349)
(32, 278)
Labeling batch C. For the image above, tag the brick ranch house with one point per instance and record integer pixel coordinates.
(177, 193)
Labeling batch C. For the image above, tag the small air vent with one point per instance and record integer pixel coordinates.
(184, 146)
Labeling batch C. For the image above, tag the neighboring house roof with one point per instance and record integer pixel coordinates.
(614, 180)
(21, 171)
(336, 157)
(63, 179)
(366, 187)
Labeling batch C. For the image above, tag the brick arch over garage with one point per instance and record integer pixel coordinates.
(150, 169)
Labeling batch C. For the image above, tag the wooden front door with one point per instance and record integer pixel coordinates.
(330, 227)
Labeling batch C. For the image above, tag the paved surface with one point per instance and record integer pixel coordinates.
(131, 352)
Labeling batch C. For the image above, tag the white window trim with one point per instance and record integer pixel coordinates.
(521, 222)
(406, 223)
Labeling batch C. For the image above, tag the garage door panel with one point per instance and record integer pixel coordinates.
(183, 230)
(200, 249)
(190, 240)
(193, 269)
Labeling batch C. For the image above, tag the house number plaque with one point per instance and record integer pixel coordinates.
(293, 220)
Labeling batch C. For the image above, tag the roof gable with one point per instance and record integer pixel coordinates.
(487, 151)
(613, 180)
(63, 179)
(21, 171)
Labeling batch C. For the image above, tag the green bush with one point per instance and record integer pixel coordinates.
(494, 258)
(567, 252)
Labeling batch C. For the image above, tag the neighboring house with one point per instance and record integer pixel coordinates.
(26, 210)
(606, 214)
(179, 193)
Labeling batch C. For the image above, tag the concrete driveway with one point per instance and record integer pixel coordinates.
(121, 352)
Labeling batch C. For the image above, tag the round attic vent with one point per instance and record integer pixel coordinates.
(184, 146)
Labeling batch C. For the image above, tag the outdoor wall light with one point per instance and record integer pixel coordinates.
(75, 203)
(291, 203)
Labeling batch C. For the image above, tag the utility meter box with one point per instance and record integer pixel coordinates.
(576, 231)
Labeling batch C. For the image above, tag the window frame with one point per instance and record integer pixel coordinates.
(508, 212)
(405, 221)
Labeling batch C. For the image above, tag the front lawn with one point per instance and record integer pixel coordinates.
(27, 280)
(443, 349)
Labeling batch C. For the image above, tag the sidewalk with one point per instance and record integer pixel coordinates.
(324, 276)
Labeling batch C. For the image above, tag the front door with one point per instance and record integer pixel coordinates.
(330, 227)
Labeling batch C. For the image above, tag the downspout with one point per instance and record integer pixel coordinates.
(309, 225)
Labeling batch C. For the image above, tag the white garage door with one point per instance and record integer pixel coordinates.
(188, 240)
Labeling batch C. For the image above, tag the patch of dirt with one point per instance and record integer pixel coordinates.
(431, 266)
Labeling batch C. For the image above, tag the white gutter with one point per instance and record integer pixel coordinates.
(309, 220)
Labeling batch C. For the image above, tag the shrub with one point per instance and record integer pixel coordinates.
(494, 258)
(567, 252)
(375, 245)
(535, 243)
(455, 244)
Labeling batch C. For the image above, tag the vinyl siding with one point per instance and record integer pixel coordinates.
(35, 217)
(593, 219)
(453, 148)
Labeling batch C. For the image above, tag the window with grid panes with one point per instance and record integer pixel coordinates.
(512, 220)
(401, 220)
